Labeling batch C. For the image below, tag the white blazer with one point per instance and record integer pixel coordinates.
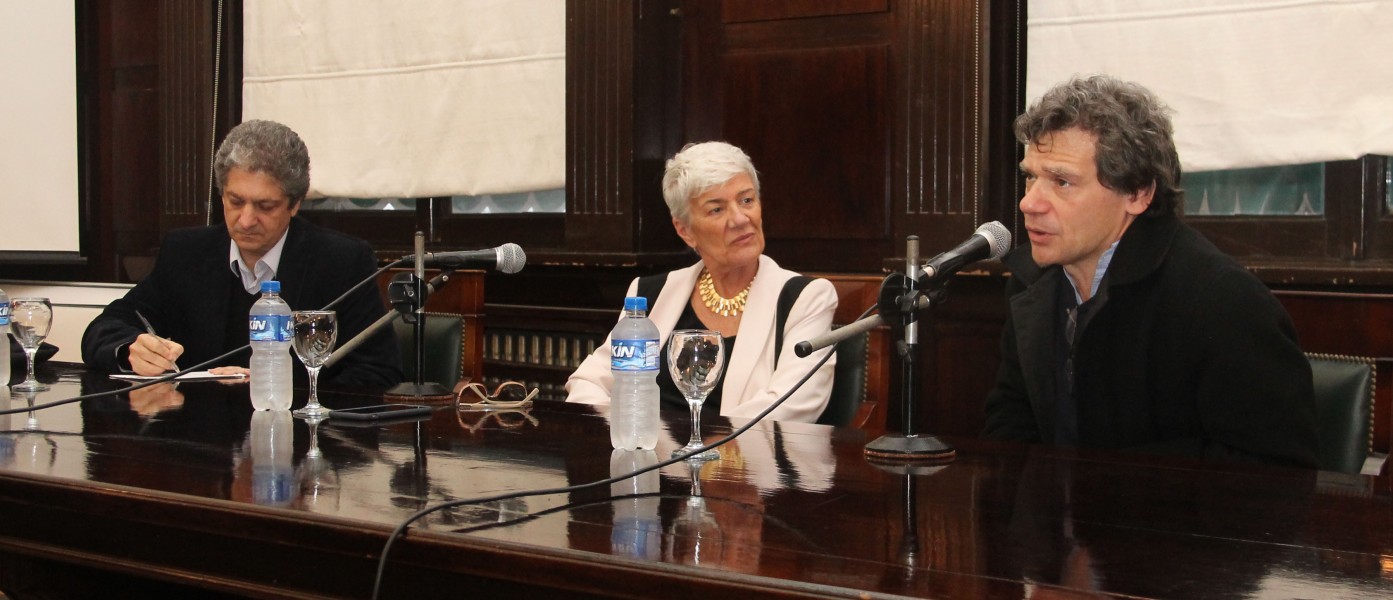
(752, 381)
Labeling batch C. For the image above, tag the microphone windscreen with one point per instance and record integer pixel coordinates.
(998, 238)
(511, 258)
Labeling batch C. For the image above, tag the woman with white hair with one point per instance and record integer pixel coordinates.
(712, 191)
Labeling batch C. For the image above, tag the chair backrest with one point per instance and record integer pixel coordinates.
(1344, 391)
(443, 361)
(463, 295)
(848, 383)
(862, 376)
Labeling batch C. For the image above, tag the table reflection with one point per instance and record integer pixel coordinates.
(636, 527)
(150, 401)
(788, 502)
(1084, 531)
(27, 448)
(269, 450)
(695, 537)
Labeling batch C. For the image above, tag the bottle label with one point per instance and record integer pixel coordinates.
(634, 355)
(270, 328)
(4, 313)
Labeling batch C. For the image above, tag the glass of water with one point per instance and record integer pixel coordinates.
(695, 358)
(30, 319)
(315, 334)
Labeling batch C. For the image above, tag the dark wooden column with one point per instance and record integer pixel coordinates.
(186, 101)
(805, 89)
(122, 116)
(963, 88)
(621, 106)
(940, 106)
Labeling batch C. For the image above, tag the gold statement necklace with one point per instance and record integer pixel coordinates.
(726, 307)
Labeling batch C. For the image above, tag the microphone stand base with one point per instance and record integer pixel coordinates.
(913, 449)
(428, 389)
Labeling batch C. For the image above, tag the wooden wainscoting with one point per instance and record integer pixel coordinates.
(542, 345)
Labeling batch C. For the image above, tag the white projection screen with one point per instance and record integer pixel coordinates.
(38, 128)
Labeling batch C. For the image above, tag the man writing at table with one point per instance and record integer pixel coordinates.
(205, 279)
(1128, 330)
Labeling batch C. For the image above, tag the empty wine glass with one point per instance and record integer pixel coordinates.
(695, 357)
(30, 319)
(315, 334)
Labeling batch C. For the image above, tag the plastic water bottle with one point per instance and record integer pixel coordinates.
(5, 338)
(634, 360)
(271, 337)
(271, 438)
(637, 531)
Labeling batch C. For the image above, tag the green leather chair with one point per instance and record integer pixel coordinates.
(1344, 391)
(444, 355)
(848, 382)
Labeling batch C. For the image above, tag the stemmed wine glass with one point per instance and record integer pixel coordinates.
(315, 333)
(30, 319)
(695, 357)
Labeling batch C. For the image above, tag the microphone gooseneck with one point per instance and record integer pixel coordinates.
(831, 338)
(346, 348)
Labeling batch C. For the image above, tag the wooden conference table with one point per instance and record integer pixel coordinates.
(111, 497)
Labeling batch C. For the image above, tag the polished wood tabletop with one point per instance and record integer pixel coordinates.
(188, 489)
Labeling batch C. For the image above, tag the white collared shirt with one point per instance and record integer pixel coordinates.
(265, 268)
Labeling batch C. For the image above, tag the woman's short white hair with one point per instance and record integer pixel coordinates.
(700, 167)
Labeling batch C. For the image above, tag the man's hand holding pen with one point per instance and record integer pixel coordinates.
(154, 355)
(157, 354)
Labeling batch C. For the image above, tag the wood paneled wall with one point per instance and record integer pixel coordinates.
(870, 120)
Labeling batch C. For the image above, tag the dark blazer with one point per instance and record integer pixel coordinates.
(186, 299)
(1186, 353)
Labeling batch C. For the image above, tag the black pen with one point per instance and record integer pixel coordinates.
(150, 329)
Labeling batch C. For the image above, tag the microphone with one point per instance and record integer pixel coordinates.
(348, 347)
(831, 338)
(991, 240)
(508, 258)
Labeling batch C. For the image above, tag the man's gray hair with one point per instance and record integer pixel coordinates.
(266, 147)
(700, 167)
(1135, 139)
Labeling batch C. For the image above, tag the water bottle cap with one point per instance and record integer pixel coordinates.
(636, 303)
(273, 287)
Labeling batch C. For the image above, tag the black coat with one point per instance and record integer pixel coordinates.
(186, 299)
(1187, 353)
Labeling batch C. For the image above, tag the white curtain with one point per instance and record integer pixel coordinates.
(414, 98)
(38, 123)
(1253, 82)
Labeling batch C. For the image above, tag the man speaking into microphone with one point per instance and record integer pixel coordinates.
(205, 279)
(1128, 330)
